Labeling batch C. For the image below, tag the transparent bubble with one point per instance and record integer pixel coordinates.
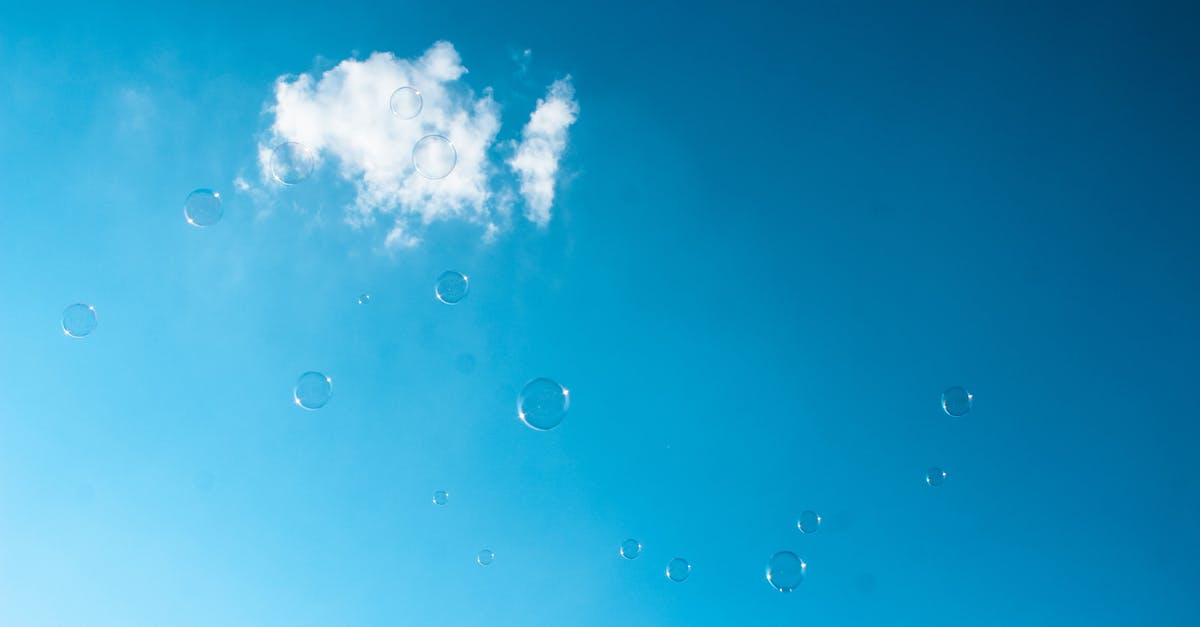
(935, 476)
(451, 287)
(434, 157)
(440, 497)
(543, 404)
(203, 208)
(484, 557)
(292, 162)
(631, 549)
(956, 401)
(678, 569)
(313, 390)
(809, 521)
(785, 571)
(364, 298)
(79, 320)
(406, 102)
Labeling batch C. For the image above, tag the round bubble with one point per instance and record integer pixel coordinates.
(678, 569)
(785, 571)
(434, 157)
(364, 298)
(631, 549)
(203, 208)
(451, 287)
(313, 390)
(956, 401)
(935, 476)
(484, 557)
(406, 102)
(292, 162)
(440, 497)
(79, 320)
(809, 521)
(543, 404)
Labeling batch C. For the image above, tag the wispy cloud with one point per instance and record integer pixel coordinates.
(343, 116)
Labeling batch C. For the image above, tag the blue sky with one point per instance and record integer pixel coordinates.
(777, 234)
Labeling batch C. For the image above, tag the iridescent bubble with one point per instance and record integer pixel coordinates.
(434, 157)
(956, 401)
(631, 549)
(203, 208)
(484, 557)
(292, 162)
(809, 521)
(313, 390)
(451, 287)
(678, 570)
(406, 102)
(364, 298)
(935, 476)
(79, 320)
(543, 404)
(785, 571)
(440, 497)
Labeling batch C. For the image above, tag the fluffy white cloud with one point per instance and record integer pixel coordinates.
(343, 116)
(542, 144)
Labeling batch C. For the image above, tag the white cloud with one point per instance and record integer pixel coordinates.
(542, 144)
(343, 116)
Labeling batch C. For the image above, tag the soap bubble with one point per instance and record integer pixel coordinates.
(809, 522)
(935, 476)
(785, 571)
(364, 298)
(543, 404)
(406, 102)
(956, 401)
(440, 497)
(203, 208)
(313, 390)
(434, 157)
(292, 162)
(484, 557)
(79, 320)
(678, 570)
(631, 549)
(451, 287)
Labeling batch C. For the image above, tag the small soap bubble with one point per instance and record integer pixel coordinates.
(439, 497)
(484, 557)
(364, 298)
(79, 320)
(313, 390)
(451, 287)
(678, 570)
(785, 571)
(809, 522)
(406, 102)
(956, 401)
(292, 162)
(935, 476)
(543, 404)
(631, 549)
(203, 208)
(434, 157)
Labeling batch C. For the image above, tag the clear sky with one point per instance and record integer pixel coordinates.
(755, 241)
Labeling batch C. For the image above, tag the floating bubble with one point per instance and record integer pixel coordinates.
(785, 571)
(678, 570)
(364, 298)
(434, 157)
(631, 549)
(439, 497)
(292, 162)
(956, 401)
(451, 287)
(406, 102)
(313, 390)
(809, 521)
(543, 404)
(79, 320)
(203, 208)
(484, 557)
(935, 476)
